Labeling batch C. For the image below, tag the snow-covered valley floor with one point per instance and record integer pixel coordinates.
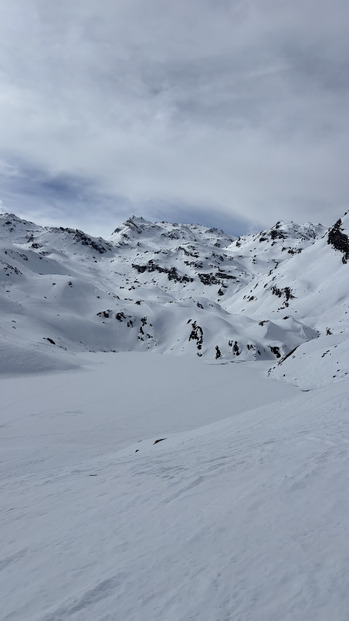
(240, 513)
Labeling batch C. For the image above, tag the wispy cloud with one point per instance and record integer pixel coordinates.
(238, 108)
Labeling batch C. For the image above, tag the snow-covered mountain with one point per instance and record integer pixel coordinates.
(172, 288)
(142, 486)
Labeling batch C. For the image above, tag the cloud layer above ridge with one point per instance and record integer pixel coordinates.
(235, 108)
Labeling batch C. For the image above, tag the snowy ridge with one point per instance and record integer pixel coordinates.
(168, 287)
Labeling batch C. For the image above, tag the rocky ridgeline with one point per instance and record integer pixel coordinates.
(172, 287)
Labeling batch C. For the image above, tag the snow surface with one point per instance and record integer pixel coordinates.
(240, 512)
(138, 485)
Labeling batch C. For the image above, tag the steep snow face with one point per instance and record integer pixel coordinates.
(312, 287)
(168, 287)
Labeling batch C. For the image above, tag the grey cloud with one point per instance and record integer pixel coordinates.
(236, 107)
(60, 200)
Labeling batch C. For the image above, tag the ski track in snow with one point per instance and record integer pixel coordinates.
(241, 519)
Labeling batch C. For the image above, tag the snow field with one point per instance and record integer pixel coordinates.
(239, 513)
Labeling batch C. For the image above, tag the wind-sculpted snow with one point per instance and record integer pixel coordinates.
(239, 512)
(170, 288)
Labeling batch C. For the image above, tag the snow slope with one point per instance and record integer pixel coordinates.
(242, 518)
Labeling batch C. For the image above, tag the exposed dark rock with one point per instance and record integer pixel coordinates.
(11, 269)
(171, 272)
(275, 233)
(275, 350)
(339, 240)
(286, 291)
(47, 338)
(235, 346)
(225, 275)
(99, 245)
(288, 355)
(197, 335)
(209, 279)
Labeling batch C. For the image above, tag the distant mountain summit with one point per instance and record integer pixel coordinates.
(170, 287)
(136, 228)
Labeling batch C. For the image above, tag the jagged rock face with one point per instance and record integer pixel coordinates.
(97, 244)
(339, 240)
(172, 288)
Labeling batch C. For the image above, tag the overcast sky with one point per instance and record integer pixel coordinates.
(225, 112)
